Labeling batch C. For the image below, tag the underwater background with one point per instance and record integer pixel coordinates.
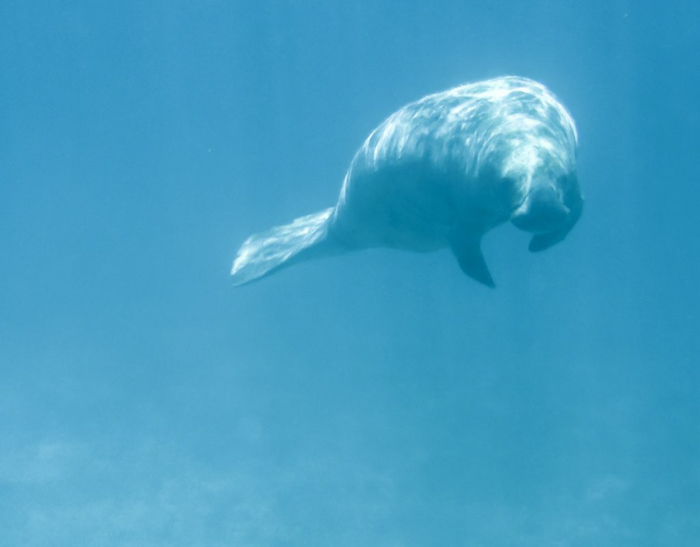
(376, 399)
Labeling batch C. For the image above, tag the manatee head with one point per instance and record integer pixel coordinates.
(547, 201)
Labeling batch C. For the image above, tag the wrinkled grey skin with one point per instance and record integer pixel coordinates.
(445, 170)
(441, 172)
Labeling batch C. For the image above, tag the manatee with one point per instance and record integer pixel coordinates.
(441, 172)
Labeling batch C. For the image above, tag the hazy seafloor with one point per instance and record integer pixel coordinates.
(379, 399)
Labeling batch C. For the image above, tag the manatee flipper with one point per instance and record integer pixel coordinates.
(471, 260)
(267, 252)
(540, 242)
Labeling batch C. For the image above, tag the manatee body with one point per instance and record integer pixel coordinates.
(441, 172)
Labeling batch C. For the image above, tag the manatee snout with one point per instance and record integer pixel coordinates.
(542, 210)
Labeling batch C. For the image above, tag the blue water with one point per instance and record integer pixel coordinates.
(377, 399)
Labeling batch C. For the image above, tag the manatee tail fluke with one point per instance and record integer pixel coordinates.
(267, 252)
